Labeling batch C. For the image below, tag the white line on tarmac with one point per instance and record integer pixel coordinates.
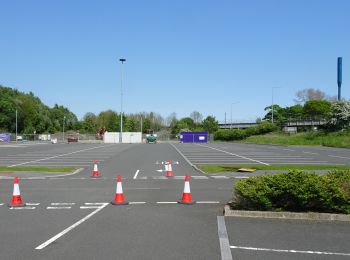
(136, 173)
(95, 203)
(137, 202)
(166, 202)
(223, 239)
(90, 207)
(250, 159)
(311, 153)
(289, 150)
(43, 159)
(32, 204)
(141, 188)
(290, 251)
(69, 174)
(1, 204)
(208, 202)
(58, 207)
(25, 207)
(339, 157)
(48, 242)
(62, 203)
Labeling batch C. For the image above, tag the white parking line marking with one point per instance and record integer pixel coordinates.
(289, 150)
(220, 177)
(25, 207)
(48, 242)
(48, 158)
(339, 157)
(223, 239)
(137, 202)
(90, 207)
(58, 207)
(311, 153)
(289, 251)
(179, 177)
(62, 203)
(141, 188)
(166, 202)
(243, 157)
(95, 203)
(136, 173)
(200, 177)
(208, 202)
(32, 204)
(1, 204)
(159, 177)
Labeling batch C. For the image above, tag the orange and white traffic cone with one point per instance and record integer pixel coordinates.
(186, 196)
(16, 195)
(169, 172)
(95, 172)
(119, 195)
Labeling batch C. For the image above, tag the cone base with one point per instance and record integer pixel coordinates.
(119, 203)
(16, 205)
(186, 203)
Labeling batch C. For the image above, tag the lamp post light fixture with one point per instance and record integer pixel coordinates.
(272, 106)
(231, 113)
(121, 100)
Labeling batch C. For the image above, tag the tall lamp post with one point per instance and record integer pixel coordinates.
(64, 119)
(16, 126)
(272, 106)
(121, 100)
(231, 113)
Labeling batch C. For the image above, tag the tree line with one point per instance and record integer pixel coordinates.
(36, 117)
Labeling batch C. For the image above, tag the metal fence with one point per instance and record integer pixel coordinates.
(58, 136)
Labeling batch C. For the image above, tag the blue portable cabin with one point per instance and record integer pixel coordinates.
(193, 137)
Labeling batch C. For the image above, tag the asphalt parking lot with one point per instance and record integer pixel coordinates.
(70, 216)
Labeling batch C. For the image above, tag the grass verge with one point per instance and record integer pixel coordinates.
(37, 169)
(230, 168)
(338, 139)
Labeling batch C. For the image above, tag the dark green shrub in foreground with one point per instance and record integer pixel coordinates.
(295, 191)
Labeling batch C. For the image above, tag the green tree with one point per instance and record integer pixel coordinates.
(278, 114)
(90, 123)
(210, 124)
(293, 112)
(110, 120)
(131, 124)
(317, 109)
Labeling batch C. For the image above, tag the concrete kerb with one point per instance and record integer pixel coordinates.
(228, 212)
(39, 175)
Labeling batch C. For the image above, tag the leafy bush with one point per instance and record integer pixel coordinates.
(240, 134)
(229, 135)
(295, 191)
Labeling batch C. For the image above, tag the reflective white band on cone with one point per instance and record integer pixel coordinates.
(119, 188)
(16, 191)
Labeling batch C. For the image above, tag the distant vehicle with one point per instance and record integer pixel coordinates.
(151, 138)
(72, 139)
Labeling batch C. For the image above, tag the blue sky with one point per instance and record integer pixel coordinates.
(182, 56)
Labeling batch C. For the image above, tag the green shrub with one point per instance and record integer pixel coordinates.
(240, 134)
(295, 191)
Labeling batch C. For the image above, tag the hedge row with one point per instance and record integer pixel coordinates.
(239, 134)
(295, 191)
